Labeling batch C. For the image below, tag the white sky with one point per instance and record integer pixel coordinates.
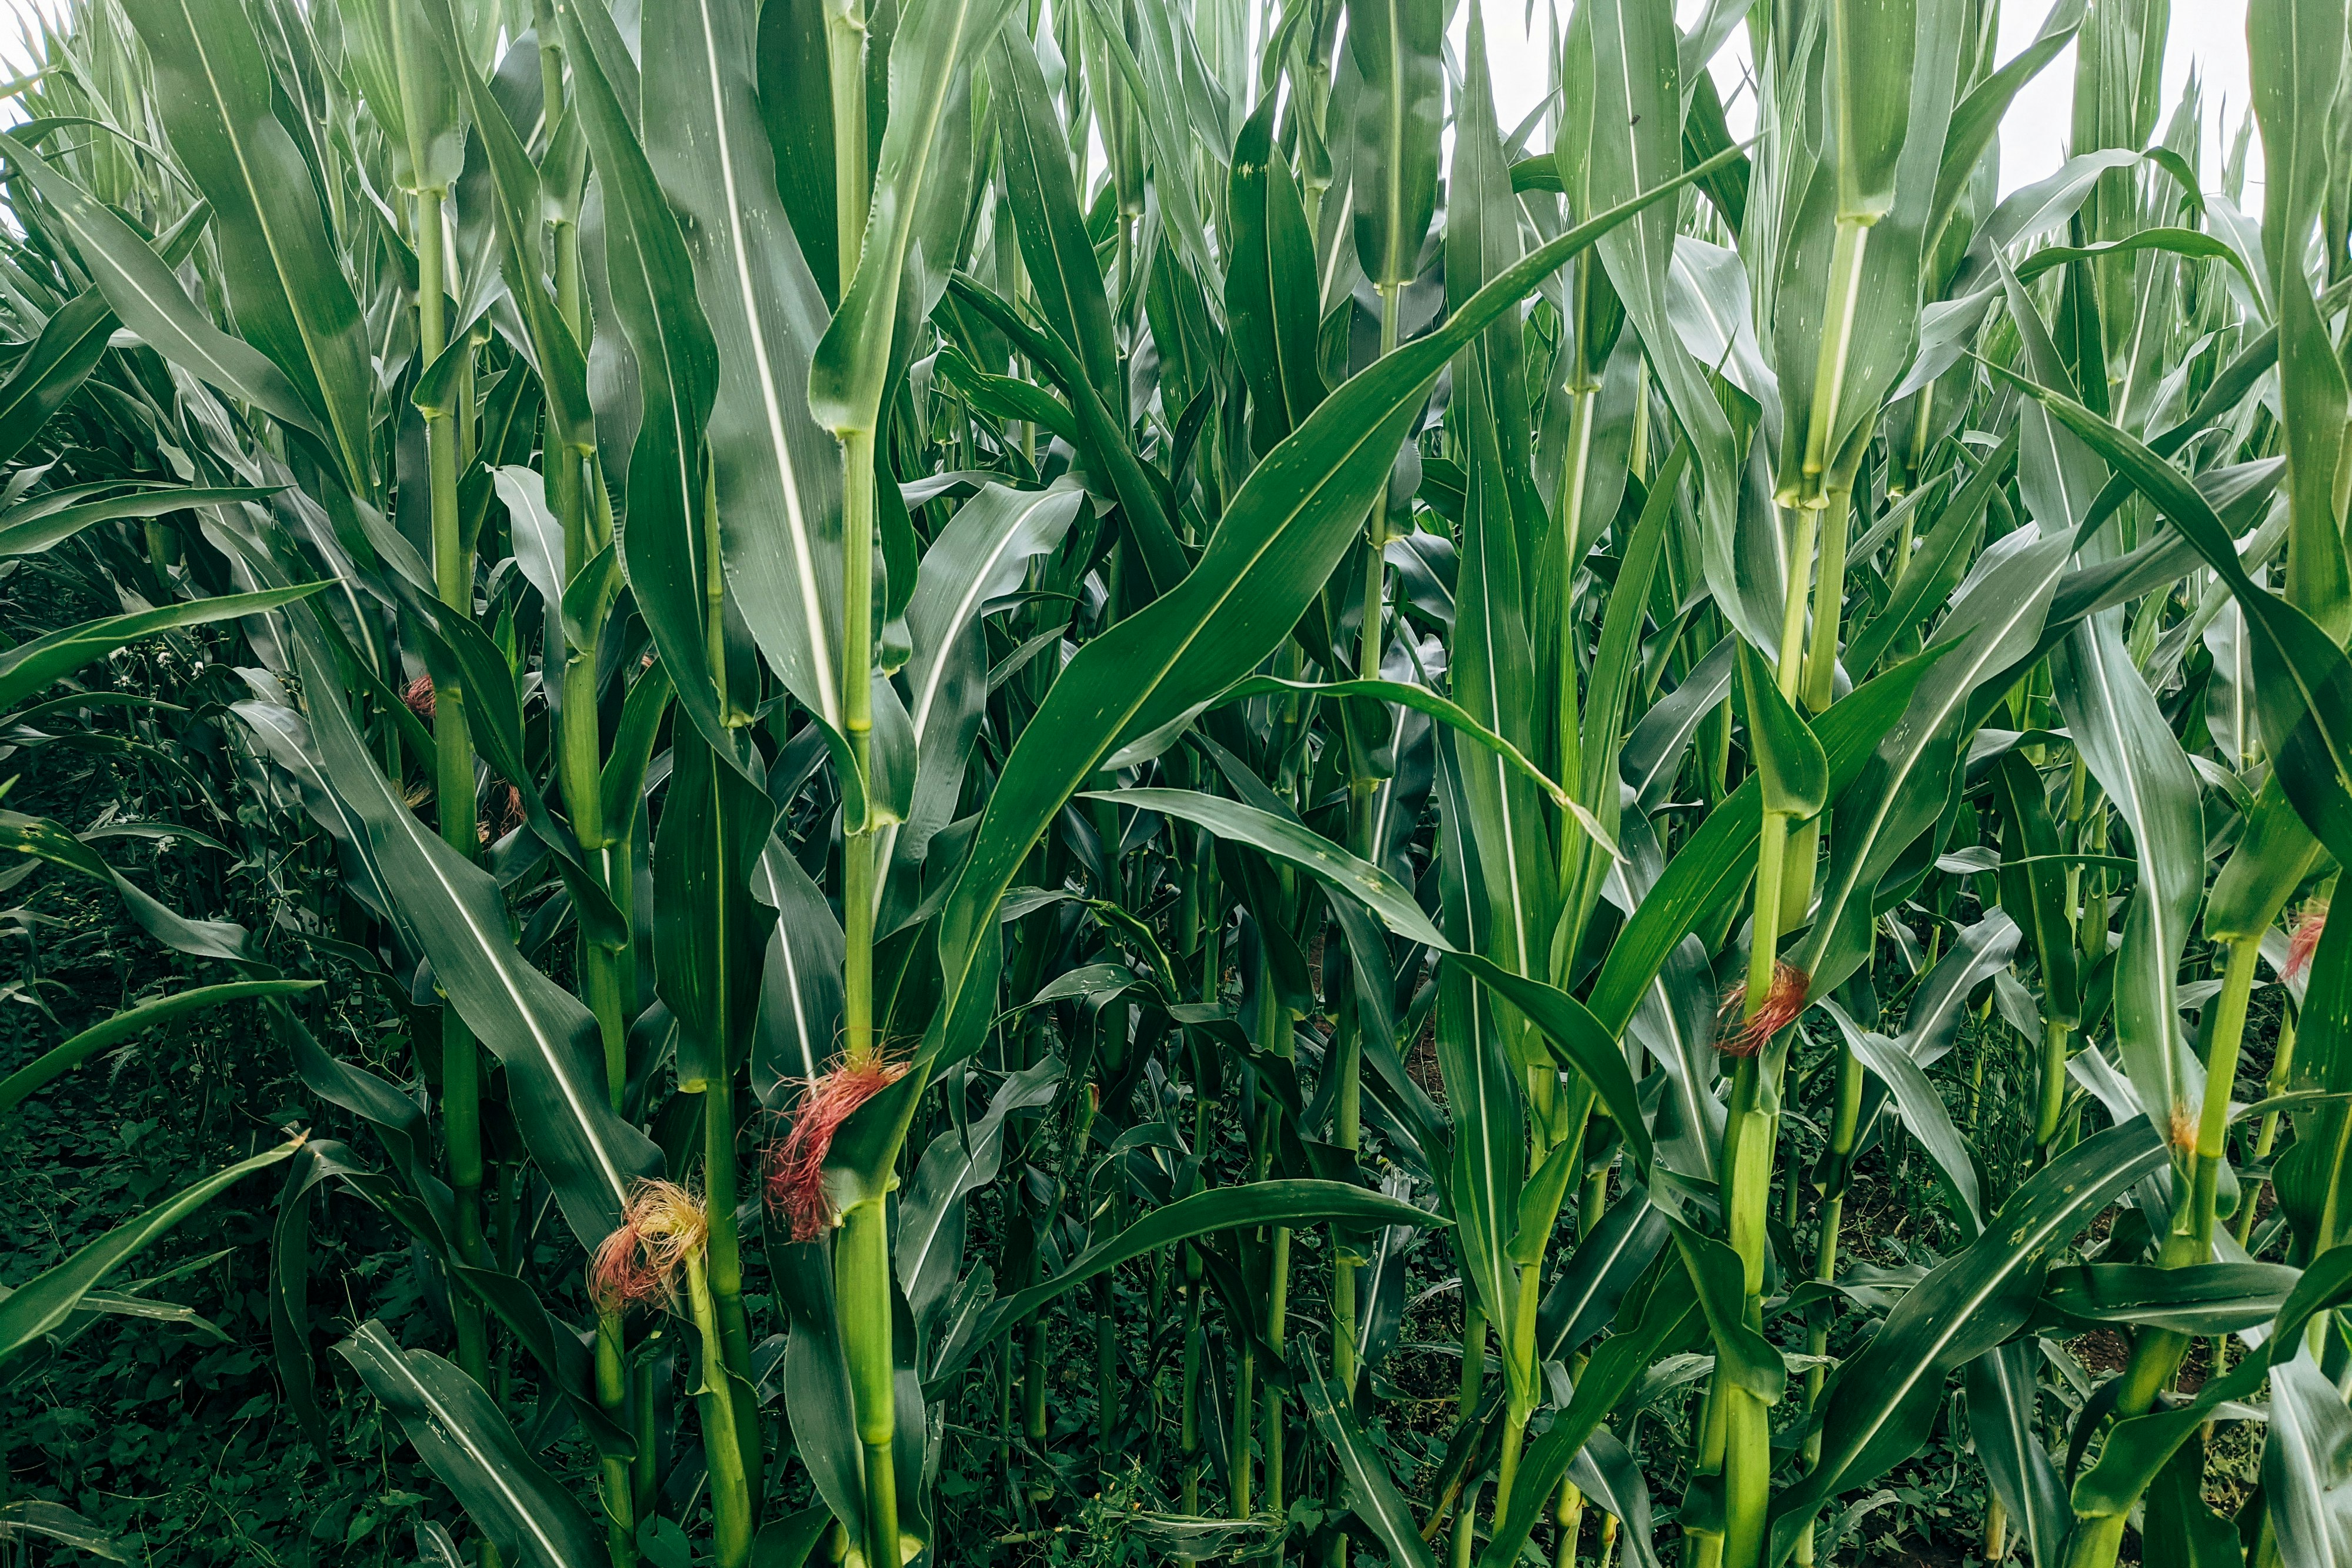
(2208, 35)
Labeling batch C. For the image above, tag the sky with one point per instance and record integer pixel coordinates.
(2208, 35)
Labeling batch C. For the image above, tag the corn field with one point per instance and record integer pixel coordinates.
(1127, 792)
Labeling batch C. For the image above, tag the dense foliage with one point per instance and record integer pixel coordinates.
(959, 782)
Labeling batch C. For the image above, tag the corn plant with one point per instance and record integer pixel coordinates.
(1116, 686)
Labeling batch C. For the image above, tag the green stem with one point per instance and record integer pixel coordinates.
(1034, 1374)
(1521, 1378)
(1844, 1127)
(1277, 1317)
(1107, 1382)
(858, 867)
(723, 1447)
(1237, 1479)
(1189, 1415)
(2054, 1033)
(2227, 1037)
(2156, 1353)
(861, 1264)
(1349, 1062)
(1473, 1373)
(1839, 308)
(2282, 1064)
(452, 574)
(550, 61)
(641, 1430)
(613, 1398)
(1829, 601)
(844, 42)
(721, 1196)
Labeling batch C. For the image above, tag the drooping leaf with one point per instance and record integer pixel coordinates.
(1884, 1399)
(462, 1435)
(1278, 543)
(286, 281)
(44, 1303)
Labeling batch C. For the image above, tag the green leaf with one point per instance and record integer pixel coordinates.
(1886, 1398)
(2178, 1530)
(708, 932)
(2005, 1426)
(1923, 1112)
(28, 667)
(1279, 542)
(2262, 872)
(1392, 49)
(921, 167)
(1295, 1203)
(1650, 1320)
(459, 1432)
(1421, 699)
(142, 289)
(1539, 1203)
(1789, 762)
(1637, 143)
(1300, 846)
(51, 842)
(1593, 1283)
(129, 1021)
(801, 982)
(622, 781)
(979, 557)
(2186, 242)
(214, 94)
(2303, 679)
(2033, 883)
(1142, 496)
(71, 342)
(2307, 1464)
(1271, 293)
(1977, 119)
(494, 719)
(1370, 1493)
(2126, 742)
(959, 1161)
(1617, 661)
(665, 548)
(60, 1523)
(1048, 221)
(786, 1542)
(1494, 672)
(34, 535)
(1486, 1096)
(40, 1306)
(1935, 566)
(1721, 855)
(515, 193)
(2294, 51)
(1743, 1357)
(546, 1040)
(1871, 49)
(777, 475)
(1578, 1037)
(2138, 1448)
(2200, 1299)
(1901, 792)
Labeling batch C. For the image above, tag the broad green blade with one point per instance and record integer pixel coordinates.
(463, 1437)
(44, 1303)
